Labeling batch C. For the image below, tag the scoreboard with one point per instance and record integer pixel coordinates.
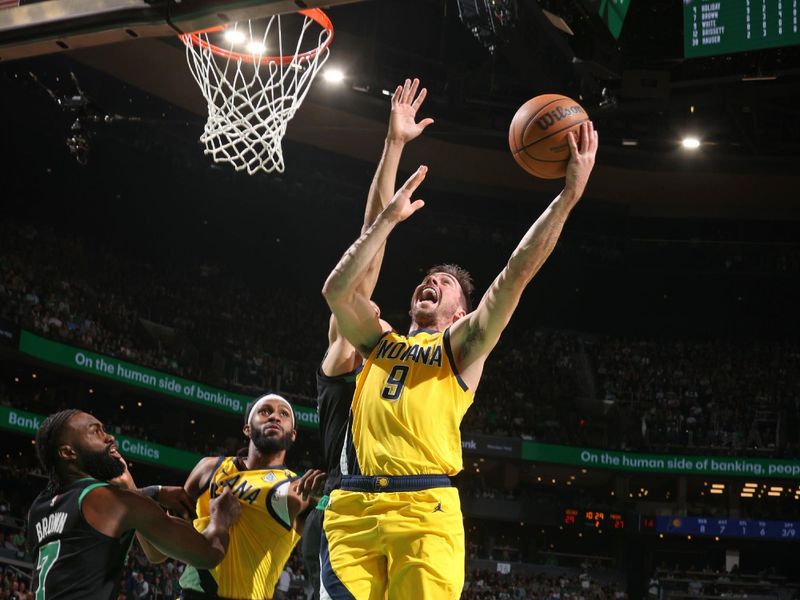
(596, 519)
(712, 27)
(738, 528)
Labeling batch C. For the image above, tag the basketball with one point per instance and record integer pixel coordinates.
(538, 134)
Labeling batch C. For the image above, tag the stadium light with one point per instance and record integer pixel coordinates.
(751, 485)
(256, 48)
(718, 486)
(770, 493)
(717, 491)
(690, 143)
(333, 75)
(234, 36)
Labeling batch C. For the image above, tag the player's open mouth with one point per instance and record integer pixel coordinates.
(114, 452)
(428, 294)
(273, 427)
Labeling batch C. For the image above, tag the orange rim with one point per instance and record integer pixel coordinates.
(315, 14)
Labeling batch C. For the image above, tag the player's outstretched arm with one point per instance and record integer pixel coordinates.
(403, 128)
(170, 497)
(474, 336)
(114, 511)
(356, 317)
(176, 499)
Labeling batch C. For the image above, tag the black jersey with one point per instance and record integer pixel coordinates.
(74, 561)
(334, 397)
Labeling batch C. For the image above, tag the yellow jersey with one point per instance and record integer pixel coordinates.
(260, 541)
(408, 406)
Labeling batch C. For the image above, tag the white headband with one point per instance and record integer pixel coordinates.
(270, 397)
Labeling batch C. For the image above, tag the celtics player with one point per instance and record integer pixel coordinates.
(337, 374)
(394, 527)
(274, 505)
(81, 527)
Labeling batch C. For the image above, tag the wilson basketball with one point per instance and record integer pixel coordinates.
(538, 134)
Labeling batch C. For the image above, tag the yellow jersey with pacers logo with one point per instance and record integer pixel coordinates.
(260, 541)
(408, 406)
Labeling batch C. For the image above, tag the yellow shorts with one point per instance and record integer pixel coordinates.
(393, 545)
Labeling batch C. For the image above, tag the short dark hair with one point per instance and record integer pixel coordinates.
(463, 278)
(48, 439)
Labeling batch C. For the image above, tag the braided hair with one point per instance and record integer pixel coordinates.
(48, 439)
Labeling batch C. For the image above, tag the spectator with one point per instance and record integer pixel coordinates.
(284, 582)
(142, 587)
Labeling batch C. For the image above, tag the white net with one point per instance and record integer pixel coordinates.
(251, 97)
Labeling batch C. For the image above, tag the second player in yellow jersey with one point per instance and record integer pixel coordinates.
(274, 506)
(262, 543)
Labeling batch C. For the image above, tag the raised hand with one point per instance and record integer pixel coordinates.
(583, 149)
(225, 509)
(403, 126)
(311, 484)
(401, 207)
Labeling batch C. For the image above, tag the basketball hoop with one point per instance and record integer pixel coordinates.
(251, 96)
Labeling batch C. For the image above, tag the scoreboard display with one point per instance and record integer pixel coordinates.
(738, 528)
(596, 519)
(727, 26)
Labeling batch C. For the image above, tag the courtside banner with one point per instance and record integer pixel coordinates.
(155, 381)
(131, 448)
(485, 445)
(677, 464)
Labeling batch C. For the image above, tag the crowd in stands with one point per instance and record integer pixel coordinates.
(161, 317)
(720, 395)
(14, 584)
(680, 583)
(551, 386)
(482, 584)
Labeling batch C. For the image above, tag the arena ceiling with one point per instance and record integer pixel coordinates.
(744, 106)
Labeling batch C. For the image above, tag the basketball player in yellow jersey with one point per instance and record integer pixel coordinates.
(274, 506)
(337, 373)
(395, 528)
